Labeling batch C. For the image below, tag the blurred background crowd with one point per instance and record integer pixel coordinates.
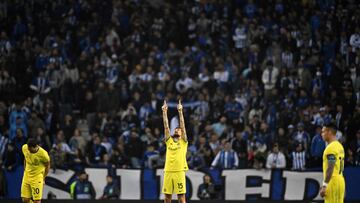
(258, 79)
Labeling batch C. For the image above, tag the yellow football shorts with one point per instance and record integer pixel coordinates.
(32, 190)
(335, 191)
(174, 182)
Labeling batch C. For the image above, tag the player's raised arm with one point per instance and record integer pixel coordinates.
(164, 109)
(182, 121)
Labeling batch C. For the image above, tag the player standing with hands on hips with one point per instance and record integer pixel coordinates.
(37, 165)
(333, 188)
(175, 161)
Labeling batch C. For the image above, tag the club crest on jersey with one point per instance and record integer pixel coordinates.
(36, 161)
(174, 146)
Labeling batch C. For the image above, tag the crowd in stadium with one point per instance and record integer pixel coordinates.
(257, 79)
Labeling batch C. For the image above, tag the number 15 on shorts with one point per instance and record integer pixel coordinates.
(180, 186)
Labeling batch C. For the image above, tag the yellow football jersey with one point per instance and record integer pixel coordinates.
(336, 152)
(35, 164)
(175, 159)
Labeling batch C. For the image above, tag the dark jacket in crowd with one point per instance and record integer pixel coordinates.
(111, 191)
(82, 190)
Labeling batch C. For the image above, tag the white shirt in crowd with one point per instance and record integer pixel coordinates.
(221, 76)
(110, 38)
(183, 84)
(239, 38)
(287, 59)
(162, 75)
(269, 78)
(64, 147)
(355, 41)
(146, 77)
(203, 77)
(226, 164)
(202, 110)
(276, 158)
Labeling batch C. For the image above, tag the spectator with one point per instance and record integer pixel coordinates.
(34, 123)
(105, 162)
(82, 188)
(317, 84)
(60, 151)
(58, 157)
(111, 190)
(221, 76)
(17, 112)
(114, 100)
(207, 190)
(184, 83)
(43, 139)
(19, 125)
(350, 160)
(7, 83)
(339, 118)
(145, 112)
(89, 108)
(196, 161)
(301, 135)
(112, 72)
(10, 158)
(134, 150)
(220, 126)
(18, 142)
(269, 78)
(287, 58)
(317, 148)
(68, 126)
(41, 86)
(239, 144)
(276, 159)
(355, 148)
(3, 126)
(3, 184)
(97, 150)
(226, 158)
(77, 141)
(214, 143)
(355, 39)
(107, 144)
(77, 161)
(239, 38)
(150, 156)
(3, 144)
(250, 9)
(118, 157)
(232, 108)
(202, 110)
(204, 150)
(322, 117)
(298, 158)
(282, 140)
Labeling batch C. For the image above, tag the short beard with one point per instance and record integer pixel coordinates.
(176, 137)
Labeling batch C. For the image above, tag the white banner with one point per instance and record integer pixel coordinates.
(238, 184)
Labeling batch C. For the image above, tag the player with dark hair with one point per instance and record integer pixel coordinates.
(175, 163)
(333, 188)
(36, 165)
